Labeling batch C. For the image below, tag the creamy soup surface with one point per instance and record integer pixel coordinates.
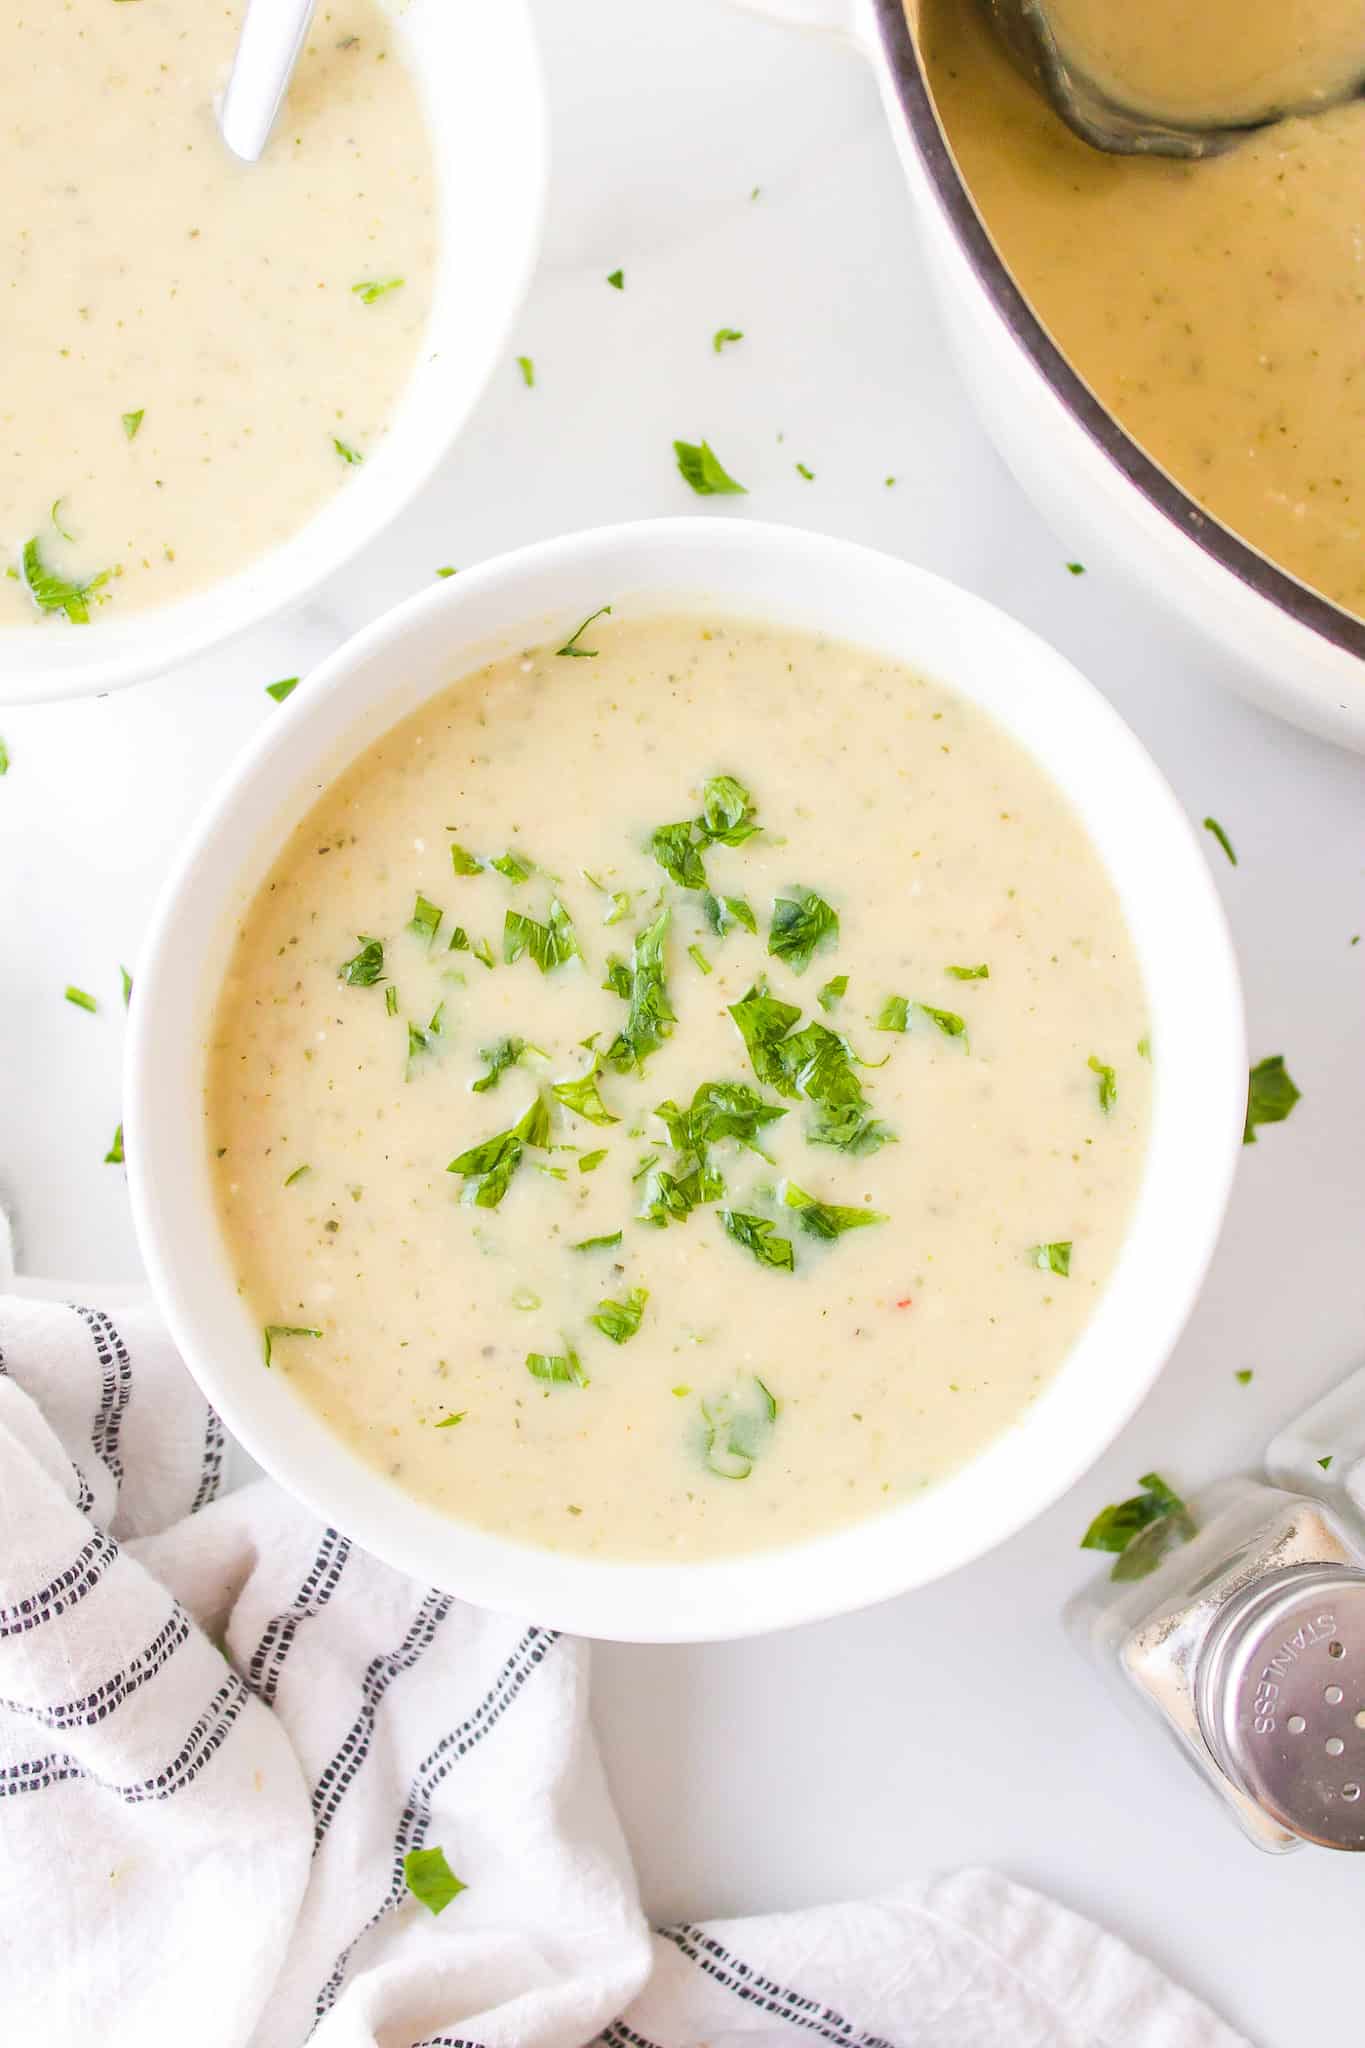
(189, 368)
(1215, 308)
(779, 1225)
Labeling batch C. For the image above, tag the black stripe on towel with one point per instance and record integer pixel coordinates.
(210, 1731)
(116, 1386)
(97, 1706)
(529, 1654)
(619, 2035)
(324, 1574)
(380, 1673)
(754, 1988)
(61, 1594)
(211, 1469)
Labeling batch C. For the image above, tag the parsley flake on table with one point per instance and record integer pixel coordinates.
(1271, 1096)
(723, 336)
(701, 467)
(282, 689)
(114, 1156)
(1212, 825)
(617, 278)
(1142, 1530)
(81, 998)
(528, 371)
(429, 1877)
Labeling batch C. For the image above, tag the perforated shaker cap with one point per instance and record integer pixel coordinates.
(1280, 1695)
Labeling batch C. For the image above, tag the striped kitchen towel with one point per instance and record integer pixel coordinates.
(225, 1732)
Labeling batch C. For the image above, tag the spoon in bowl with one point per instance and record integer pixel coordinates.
(267, 51)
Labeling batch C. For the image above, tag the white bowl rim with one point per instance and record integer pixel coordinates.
(1200, 1088)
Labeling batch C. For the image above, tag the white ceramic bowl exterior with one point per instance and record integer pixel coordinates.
(480, 73)
(808, 582)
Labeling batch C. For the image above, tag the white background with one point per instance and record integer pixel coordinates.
(957, 1724)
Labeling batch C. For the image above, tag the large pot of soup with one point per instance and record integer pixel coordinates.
(1167, 354)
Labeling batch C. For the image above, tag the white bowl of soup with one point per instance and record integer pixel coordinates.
(1164, 353)
(687, 1083)
(229, 377)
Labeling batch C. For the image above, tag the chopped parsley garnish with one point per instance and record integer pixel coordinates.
(734, 1435)
(127, 980)
(620, 898)
(826, 1219)
(590, 1161)
(722, 913)
(274, 1331)
(584, 1098)
(296, 1175)
(649, 1017)
(670, 1198)
(513, 868)
(564, 1368)
(366, 967)
(800, 923)
(1271, 1095)
(728, 817)
(132, 421)
(391, 1000)
(1144, 1048)
(4, 758)
(1326, 1463)
(1141, 1530)
(487, 1168)
(718, 1110)
(55, 516)
(982, 973)
(82, 999)
(598, 1244)
(1212, 825)
(425, 919)
(619, 1320)
(816, 1063)
(528, 371)
(757, 1235)
(371, 288)
(1244, 1378)
(498, 1058)
(808, 474)
(285, 687)
(418, 1043)
(1108, 1086)
(1075, 568)
(617, 278)
(1052, 1258)
(429, 1877)
(54, 593)
(764, 1021)
(828, 997)
(449, 1421)
(347, 453)
(948, 1021)
(894, 1015)
(571, 647)
(463, 861)
(679, 855)
(114, 1156)
(701, 467)
(447, 571)
(723, 335)
(549, 944)
(695, 954)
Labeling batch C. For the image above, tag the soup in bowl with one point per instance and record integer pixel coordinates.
(687, 1084)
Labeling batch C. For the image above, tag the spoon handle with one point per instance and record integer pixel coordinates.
(267, 51)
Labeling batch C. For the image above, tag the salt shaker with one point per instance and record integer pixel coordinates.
(1247, 1643)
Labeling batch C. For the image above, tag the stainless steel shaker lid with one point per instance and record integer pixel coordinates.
(1280, 1695)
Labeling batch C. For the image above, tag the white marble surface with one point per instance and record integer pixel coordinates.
(956, 1724)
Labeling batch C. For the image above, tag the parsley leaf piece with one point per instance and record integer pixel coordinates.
(429, 1877)
(425, 919)
(391, 1000)
(1326, 1463)
(1244, 1378)
(447, 571)
(722, 913)
(563, 1368)
(483, 953)
(828, 997)
(590, 1161)
(549, 944)
(982, 973)
(895, 1014)
(487, 1168)
(498, 1058)
(948, 1021)
(620, 898)
(463, 861)
(678, 854)
(449, 1421)
(649, 1016)
(127, 986)
(418, 1043)
(1271, 1095)
(800, 923)
(528, 371)
(513, 867)
(296, 1175)
(756, 1234)
(371, 288)
(1075, 568)
(808, 474)
(764, 1021)
(617, 278)
(1052, 1258)
(584, 1099)
(571, 647)
(826, 1219)
(1142, 1530)
(82, 999)
(365, 967)
(132, 421)
(1144, 1047)
(619, 1320)
(598, 1244)
(114, 1156)
(719, 1109)
(728, 815)
(700, 466)
(735, 1434)
(54, 593)
(347, 453)
(723, 335)
(285, 687)
(670, 1198)
(1108, 1085)
(273, 1331)
(695, 953)
(4, 758)
(1212, 825)
(849, 1127)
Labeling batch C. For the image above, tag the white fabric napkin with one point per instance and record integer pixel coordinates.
(223, 1728)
